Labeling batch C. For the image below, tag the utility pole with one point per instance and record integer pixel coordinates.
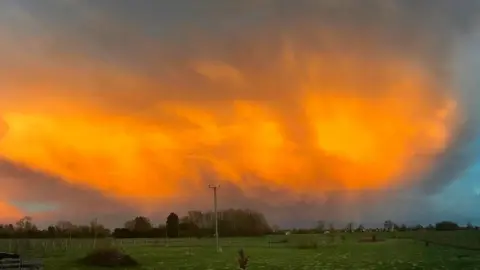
(215, 187)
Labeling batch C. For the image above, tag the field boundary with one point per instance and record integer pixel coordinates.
(437, 243)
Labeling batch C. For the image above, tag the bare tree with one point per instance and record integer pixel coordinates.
(25, 224)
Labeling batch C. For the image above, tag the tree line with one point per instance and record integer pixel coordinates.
(231, 223)
(351, 227)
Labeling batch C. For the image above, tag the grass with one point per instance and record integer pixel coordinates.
(275, 252)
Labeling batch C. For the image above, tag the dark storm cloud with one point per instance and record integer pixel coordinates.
(157, 39)
(450, 164)
(72, 202)
(122, 29)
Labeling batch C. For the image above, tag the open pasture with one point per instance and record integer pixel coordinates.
(309, 252)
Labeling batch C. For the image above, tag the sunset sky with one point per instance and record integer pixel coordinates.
(305, 110)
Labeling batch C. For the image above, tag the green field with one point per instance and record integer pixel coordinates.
(309, 252)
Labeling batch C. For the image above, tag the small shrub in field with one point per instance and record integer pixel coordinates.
(242, 260)
(108, 257)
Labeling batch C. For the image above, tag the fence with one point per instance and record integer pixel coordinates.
(47, 247)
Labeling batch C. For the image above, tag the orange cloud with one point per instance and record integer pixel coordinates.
(9, 213)
(330, 124)
(299, 106)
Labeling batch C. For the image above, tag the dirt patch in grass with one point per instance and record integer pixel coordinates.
(371, 239)
(110, 257)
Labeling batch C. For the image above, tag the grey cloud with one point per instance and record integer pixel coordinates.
(450, 165)
(247, 34)
(73, 202)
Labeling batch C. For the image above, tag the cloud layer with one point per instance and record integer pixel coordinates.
(320, 105)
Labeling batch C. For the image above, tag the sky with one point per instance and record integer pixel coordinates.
(304, 110)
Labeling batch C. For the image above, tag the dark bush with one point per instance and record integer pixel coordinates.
(242, 260)
(446, 226)
(110, 257)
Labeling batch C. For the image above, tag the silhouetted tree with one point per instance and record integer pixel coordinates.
(470, 226)
(142, 224)
(446, 226)
(85, 231)
(173, 225)
(123, 233)
(52, 232)
(64, 226)
(187, 228)
(129, 225)
(138, 227)
(24, 224)
(25, 228)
